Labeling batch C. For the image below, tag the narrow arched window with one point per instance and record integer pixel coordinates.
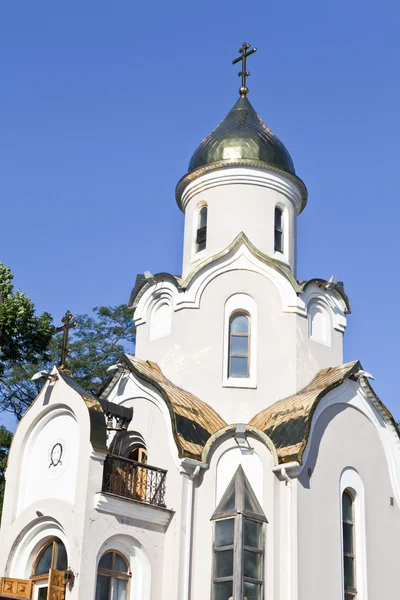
(201, 235)
(239, 348)
(278, 237)
(349, 557)
(112, 577)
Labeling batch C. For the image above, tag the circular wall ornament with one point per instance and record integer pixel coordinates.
(58, 458)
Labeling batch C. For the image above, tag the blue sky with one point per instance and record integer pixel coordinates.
(103, 103)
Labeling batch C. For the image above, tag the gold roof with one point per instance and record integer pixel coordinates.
(288, 421)
(193, 421)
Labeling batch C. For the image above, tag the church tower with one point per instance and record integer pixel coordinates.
(237, 327)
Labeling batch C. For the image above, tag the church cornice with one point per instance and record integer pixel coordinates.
(221, 168)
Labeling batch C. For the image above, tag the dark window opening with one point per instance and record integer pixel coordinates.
(349, 557)
(201, 235)
(278, 229)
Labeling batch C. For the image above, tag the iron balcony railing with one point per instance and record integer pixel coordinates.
(134, 480)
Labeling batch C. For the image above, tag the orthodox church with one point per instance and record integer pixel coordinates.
(235, 456)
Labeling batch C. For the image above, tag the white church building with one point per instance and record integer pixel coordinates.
(235, 456)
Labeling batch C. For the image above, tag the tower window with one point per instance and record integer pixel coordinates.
(201, 235)
(239, 349)
(278, 239)
(349, 558)
(238, 542)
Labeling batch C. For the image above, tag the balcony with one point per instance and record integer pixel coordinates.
(134, 480)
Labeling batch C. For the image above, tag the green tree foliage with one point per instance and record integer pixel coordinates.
(97, 342)
(5, 442)
(24, 336)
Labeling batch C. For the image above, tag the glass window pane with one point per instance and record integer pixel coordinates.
(347, 507)
(106, 561)
(249, 503)
(223, 564)
(348, 571)
(348, 538)
(44, 562)
(203, 217)
(252, 534)
(120, 587)
(229, 504)
(252, 565)
(278, 241)
(240, 324)
(222, 590)
(251, 591)
(239, 344)
(120, 564)
(62, 560)
(42, 593)
(239, 367)
(278, 218)
(103, 587)
(224, 531)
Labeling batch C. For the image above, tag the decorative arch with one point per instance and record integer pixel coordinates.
(137, 560)
(319, 321)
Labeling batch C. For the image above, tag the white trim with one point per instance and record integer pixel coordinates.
(137, 560)
(318, 306)
(351, 480)
(239, 259)
(139, 511)
(332, 301)
(247, 304)
(243, 176)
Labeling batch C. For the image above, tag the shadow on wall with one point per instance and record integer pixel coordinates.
(327, 416)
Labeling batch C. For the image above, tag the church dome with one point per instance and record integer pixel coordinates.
(242, 138)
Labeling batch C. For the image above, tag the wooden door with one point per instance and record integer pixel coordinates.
(57, 585)
(141, 475)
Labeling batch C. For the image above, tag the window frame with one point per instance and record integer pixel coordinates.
(247, 335)
(113, 574)
(350, 592)
(50, 542)
(279, 230)
(239, 514)
(240, 303)
(201, 230)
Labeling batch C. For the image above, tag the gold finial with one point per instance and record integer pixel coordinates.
(243, 90)
(68, 324)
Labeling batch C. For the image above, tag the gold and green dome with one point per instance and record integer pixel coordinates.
(242, 137)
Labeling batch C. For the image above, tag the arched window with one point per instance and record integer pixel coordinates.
(349, 558)
(201, 235)
(239, 348)
(51, 557)
(278, 236)
(318, 322)
(238, 542)
(112, 577)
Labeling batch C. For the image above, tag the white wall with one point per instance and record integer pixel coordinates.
(240, 199)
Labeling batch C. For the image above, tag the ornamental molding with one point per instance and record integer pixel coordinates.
(241, 258)
(331, 301)
(244, 165)
(133, 509)
(277, 181)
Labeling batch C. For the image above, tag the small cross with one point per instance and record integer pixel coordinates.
(243, 91)
(67, 325)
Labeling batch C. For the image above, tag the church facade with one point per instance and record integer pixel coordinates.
(234, 456)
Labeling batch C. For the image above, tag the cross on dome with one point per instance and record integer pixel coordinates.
(245, 52)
